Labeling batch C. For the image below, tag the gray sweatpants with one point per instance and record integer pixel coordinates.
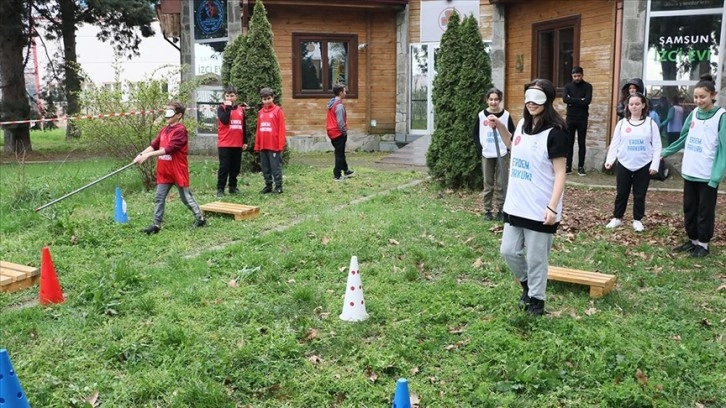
(162, 190)
(271, 163)
(530, 265)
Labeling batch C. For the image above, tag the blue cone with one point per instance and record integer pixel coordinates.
(402, 399)
(11, 393)
(120, 211)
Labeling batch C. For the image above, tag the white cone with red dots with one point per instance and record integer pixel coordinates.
(354, 307)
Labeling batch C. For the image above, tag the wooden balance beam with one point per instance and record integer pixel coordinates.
(600, 284)
(14, 277)
(239, 211)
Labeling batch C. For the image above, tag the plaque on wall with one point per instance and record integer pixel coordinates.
(210, 19)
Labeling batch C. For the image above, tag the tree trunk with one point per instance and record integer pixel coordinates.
(14, 104)
(73, 81)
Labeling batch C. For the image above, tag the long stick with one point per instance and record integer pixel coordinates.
(85, 187)
(500, 159)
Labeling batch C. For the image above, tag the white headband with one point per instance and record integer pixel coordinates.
(535, 95)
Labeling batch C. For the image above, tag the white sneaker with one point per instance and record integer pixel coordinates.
(638, 226)
(614, 223)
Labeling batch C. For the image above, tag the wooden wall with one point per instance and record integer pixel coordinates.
(376, 67)
(597, 38)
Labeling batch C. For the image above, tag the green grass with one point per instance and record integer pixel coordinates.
(153, 321)
(52, 141)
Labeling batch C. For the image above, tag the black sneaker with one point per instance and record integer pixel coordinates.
(568, 170)
(233, 191)
(220, 193)
(151, 229)
(699, 252)
(488, 216)
(687, 246)
(535, 307)
(581, 171)
(349, 174)
(277, 190)
(200, 222)
(524, 300)
(266, 190)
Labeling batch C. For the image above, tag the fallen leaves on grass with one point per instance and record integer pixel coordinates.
(392, 241)
(641, 377)
(370, 374)
(311, 334)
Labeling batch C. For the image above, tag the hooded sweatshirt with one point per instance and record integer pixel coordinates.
(622, 105)
(337, 119)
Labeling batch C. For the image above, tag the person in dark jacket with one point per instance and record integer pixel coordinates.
(632, 86)
(577, 96)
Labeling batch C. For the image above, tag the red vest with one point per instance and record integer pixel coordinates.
(332, 123)
(172, 168)
(231, 135)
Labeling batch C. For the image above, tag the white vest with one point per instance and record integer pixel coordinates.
(531, 176)
(701, 144)
(486, 136)
(638, 145)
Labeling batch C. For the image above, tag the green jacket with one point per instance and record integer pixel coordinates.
(719, 164)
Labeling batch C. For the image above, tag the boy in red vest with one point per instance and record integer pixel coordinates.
(231, 141)
(270, 141)
(171, 146)
(337, 126)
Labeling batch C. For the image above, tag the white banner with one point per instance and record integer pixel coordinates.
(435, 16)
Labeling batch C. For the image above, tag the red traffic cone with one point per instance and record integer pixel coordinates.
(50, 290)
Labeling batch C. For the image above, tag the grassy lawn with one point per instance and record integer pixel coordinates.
(245, 314)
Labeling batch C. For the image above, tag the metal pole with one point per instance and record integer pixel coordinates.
(85, 187)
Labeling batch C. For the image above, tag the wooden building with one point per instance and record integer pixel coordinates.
(383, 50)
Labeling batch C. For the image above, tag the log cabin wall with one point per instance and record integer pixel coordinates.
(596, 40)
(376, 98)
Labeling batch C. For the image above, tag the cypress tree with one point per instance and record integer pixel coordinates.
(463, 75)
(475, 78)
(439, 156)
(252, 66)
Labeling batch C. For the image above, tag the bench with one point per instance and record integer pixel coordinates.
(239, 211)
(14, 277)
(600, 284)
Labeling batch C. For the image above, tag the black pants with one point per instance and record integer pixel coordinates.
(271, 163)
(341, 165)
(579, 126)
(672, 137)
(699, 210)
(638, 181)
(230, 159)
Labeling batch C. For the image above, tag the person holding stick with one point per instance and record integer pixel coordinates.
(490, 124)
(533, 207)
(171, 146)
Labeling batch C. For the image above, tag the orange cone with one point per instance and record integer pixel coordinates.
(50, 290)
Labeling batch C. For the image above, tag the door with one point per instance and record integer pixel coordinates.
(423, 71)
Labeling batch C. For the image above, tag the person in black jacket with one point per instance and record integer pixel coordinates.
(632, 86)
(577, 96)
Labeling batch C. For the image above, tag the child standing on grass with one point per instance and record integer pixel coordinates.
(270, 141)
(637, 146)
(703, 167)
(171, 146)
(337, 129)
(486, 140)
(533, 206)
(231, 141)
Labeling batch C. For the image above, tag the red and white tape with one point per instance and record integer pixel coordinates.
(98, 116)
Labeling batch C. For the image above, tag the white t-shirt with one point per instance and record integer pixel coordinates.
(635, 144)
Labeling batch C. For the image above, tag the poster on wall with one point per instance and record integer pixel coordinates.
(682, 48)
(435, 16)
(210, 19)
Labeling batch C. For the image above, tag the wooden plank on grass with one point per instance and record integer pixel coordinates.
(600, 283)
(239, 211)
(14, 277)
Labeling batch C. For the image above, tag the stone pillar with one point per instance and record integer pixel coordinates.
(498, 55)
(403, 74)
